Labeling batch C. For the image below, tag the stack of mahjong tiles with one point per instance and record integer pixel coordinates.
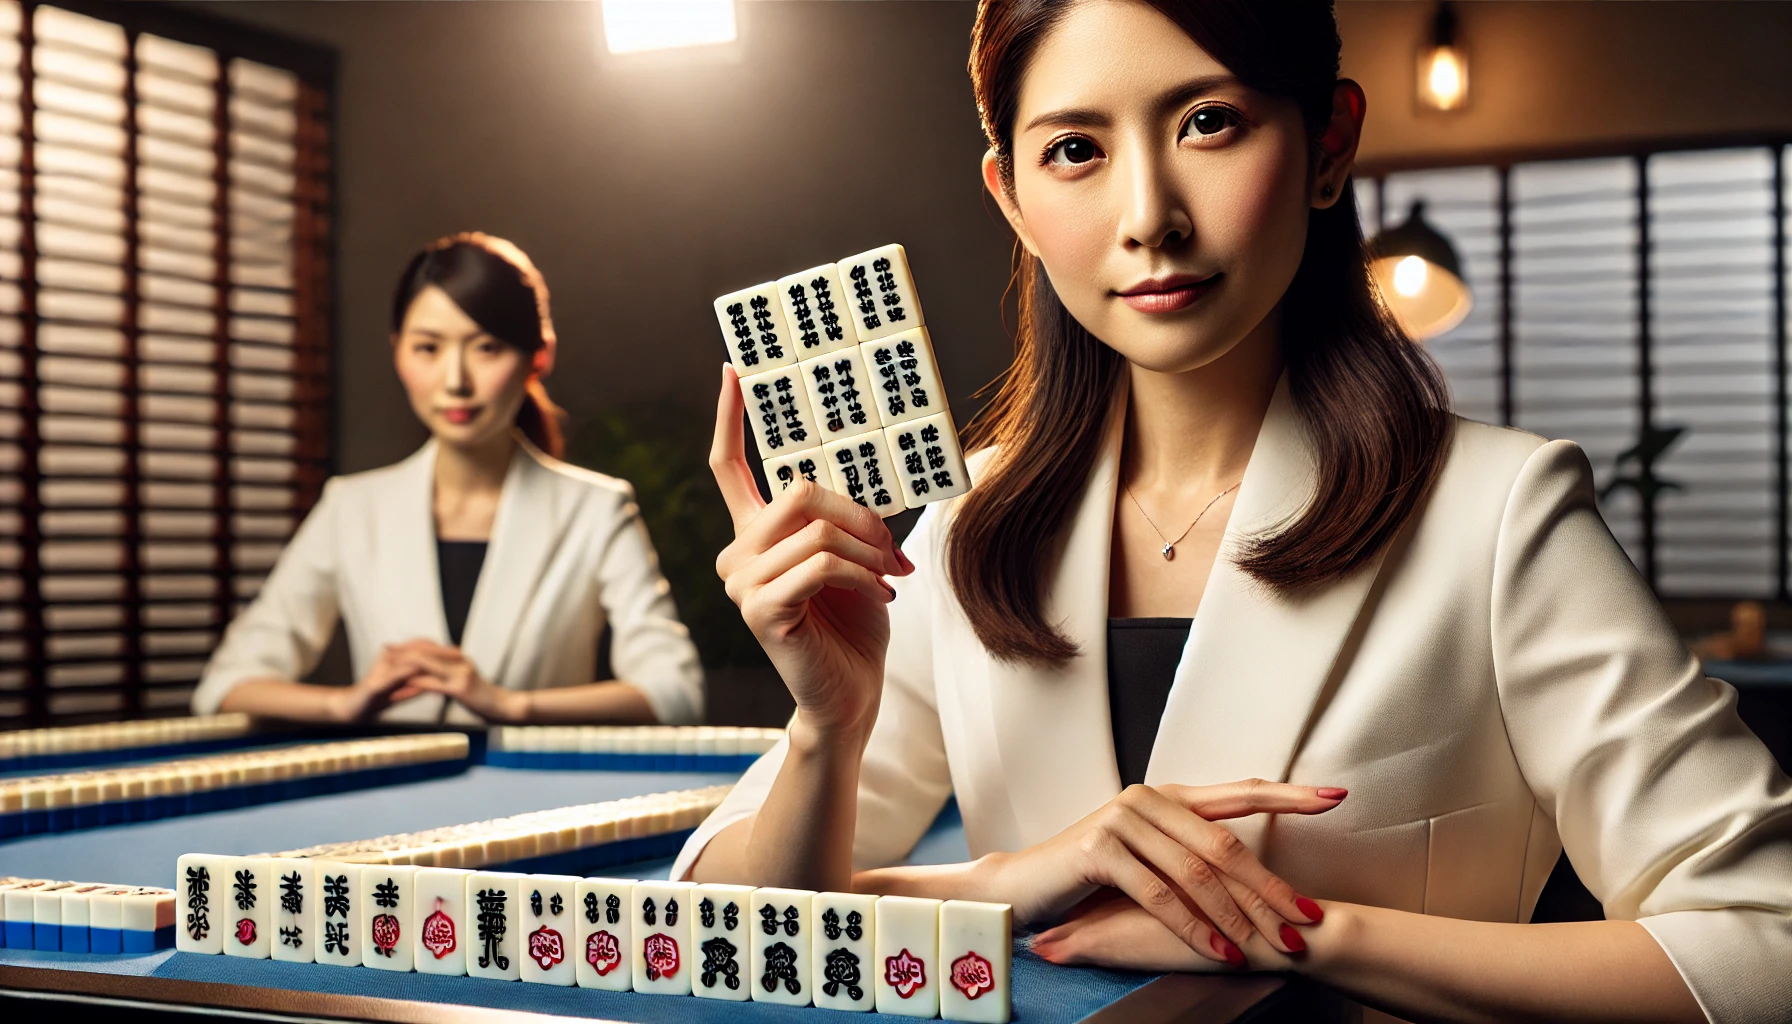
(682, 748)
(841, 385)
(34, 804)
(902, 955)
(593, 835)
(85, 917)
(32, 749)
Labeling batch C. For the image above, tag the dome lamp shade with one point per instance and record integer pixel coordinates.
(1419, 277)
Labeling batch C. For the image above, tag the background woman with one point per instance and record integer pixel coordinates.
(1224, 529)
(476, 576)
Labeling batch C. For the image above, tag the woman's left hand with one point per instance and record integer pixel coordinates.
(445, 670)
(1109, 930)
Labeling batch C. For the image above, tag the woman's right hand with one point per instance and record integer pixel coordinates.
(807, 572)
(387, 682)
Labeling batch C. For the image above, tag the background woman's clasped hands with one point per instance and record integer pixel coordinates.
(419, 666)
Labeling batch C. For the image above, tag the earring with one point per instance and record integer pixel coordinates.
(1326, 192)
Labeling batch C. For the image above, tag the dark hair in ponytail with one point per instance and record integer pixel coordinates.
(496, 284)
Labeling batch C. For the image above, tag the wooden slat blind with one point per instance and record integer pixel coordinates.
(163, 351)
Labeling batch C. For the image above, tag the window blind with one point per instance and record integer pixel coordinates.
(163, 352)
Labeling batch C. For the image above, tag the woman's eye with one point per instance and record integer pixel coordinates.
(1072, 151)
(1209, 121)
(424, 348)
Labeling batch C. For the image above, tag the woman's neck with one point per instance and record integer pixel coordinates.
(468, 483)
(1190, 434)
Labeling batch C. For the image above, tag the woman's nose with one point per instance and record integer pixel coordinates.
(1153, 213)
(458, 380)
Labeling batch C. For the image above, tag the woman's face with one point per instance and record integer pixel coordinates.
(465, 385)
(1167, 202)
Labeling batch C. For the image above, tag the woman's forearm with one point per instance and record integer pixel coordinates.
(802, 835)
(282, 698)
(1439, 968)
(613, 700)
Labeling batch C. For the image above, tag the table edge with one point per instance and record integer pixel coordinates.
(1190, 999)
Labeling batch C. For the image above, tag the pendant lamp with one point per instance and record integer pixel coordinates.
(1419, 276)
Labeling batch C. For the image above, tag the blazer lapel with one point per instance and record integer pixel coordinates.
(525, 533)
(1257, 662)
(405, 525)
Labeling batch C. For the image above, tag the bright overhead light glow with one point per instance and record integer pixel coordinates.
(1409, 276)
(633, 26)
(1444, 78)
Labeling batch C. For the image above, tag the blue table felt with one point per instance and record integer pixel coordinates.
(144, 853)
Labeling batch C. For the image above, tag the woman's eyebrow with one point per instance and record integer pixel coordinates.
(1089, 117)
(1193, 88)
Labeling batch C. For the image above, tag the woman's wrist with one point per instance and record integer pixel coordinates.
(813, 737)
(516, 707)
(1336, 943)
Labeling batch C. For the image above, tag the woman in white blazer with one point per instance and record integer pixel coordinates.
(1416, 628)
(475, 577)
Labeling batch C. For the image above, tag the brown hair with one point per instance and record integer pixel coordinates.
(496, 284)
(1374, 402)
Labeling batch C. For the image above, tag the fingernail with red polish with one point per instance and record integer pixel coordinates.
(1224, 947)
(1292, 940)
(1309, 908)
(1332, 793)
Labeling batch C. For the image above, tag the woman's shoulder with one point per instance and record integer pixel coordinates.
(1485, 466)
(578, 484)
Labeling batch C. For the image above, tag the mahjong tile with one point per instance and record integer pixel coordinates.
(906, 955)
(781, 930)
(904, 378)
(295, 936)
(603, 934)
(778, 408)
(841, 394)
(721, 943)
(548, 920)
(927, 462)
(753, 325)
(662, 948)
(880, 292)
(976, 950)
(439, 920)
(338, 914)
(492, 905)
(388, 895)
(812, 307)
(203, 903)
(783, 470)
(860, 468)
(248, 897)
(845, 925)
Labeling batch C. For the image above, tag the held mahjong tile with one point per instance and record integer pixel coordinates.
(753, 324)
(720, 942)
(860, 468)
(928, 463)
(781, 930)
(295, 937)
(880, 292)
(778, 408)
(784, 470)
(388, 900)
(439, 920)
(906, 955)
(603, 934)
(248, 896)
(146, 916)
(492, 901)
(662, 946)
(338, 914)
(203, 903)
(811, 302)
(549, 917)
(976, 952)
(905, 378)
(841, 394)
(845, 925)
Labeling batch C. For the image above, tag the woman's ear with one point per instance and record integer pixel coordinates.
(1337, 145)
(992, 180)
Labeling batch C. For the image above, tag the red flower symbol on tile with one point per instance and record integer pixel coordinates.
(245, 931)
(545, 948)
(905, 973)
(971, 975)
(602, 952)
(661, 953)
(385, 934)
(438, 934)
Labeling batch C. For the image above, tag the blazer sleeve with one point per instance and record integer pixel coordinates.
(904, 779)
(649, 647)
(1672, 812)
(284, 631)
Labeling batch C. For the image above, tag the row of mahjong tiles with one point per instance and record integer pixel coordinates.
(901, 955)
(849, 402)
(30, 748)
(671, 748)
(79, 917)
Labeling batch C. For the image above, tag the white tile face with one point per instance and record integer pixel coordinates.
(778, 409)
(388, 908)
(203, 913)
(905, 378)
(811, 302)
(782, 936)
(719, 939)
(294, 936)
(338, 914)
(976, 953)
(249, 897)
(845, 924)
(928, 463)
(861, 469)
(784, 470)
(662, 947)
(549, 917)
(494, 947)
(753, 324)
(603, 934)
(880, 292)
(439, 919)
(906, 952)
(840, 393)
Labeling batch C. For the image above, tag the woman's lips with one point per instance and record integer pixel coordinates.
(1168, 295)
(460, 416)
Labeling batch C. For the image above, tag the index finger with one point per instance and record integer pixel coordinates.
(1253, 796)
(728, 454)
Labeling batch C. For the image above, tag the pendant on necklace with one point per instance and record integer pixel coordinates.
(1169, 552)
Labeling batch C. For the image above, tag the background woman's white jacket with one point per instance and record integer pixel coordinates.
(1498, 685)
(568, 554)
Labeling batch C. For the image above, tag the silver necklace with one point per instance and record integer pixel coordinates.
(1169, 548)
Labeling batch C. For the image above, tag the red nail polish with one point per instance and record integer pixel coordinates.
(1292, 940)
(1224, 947)
(1332, 793)
(1309, 908)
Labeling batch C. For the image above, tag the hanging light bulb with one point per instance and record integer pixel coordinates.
(1419, 277)
(1443, 65)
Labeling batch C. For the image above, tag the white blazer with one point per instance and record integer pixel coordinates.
(568, 554)
(1498, 684)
